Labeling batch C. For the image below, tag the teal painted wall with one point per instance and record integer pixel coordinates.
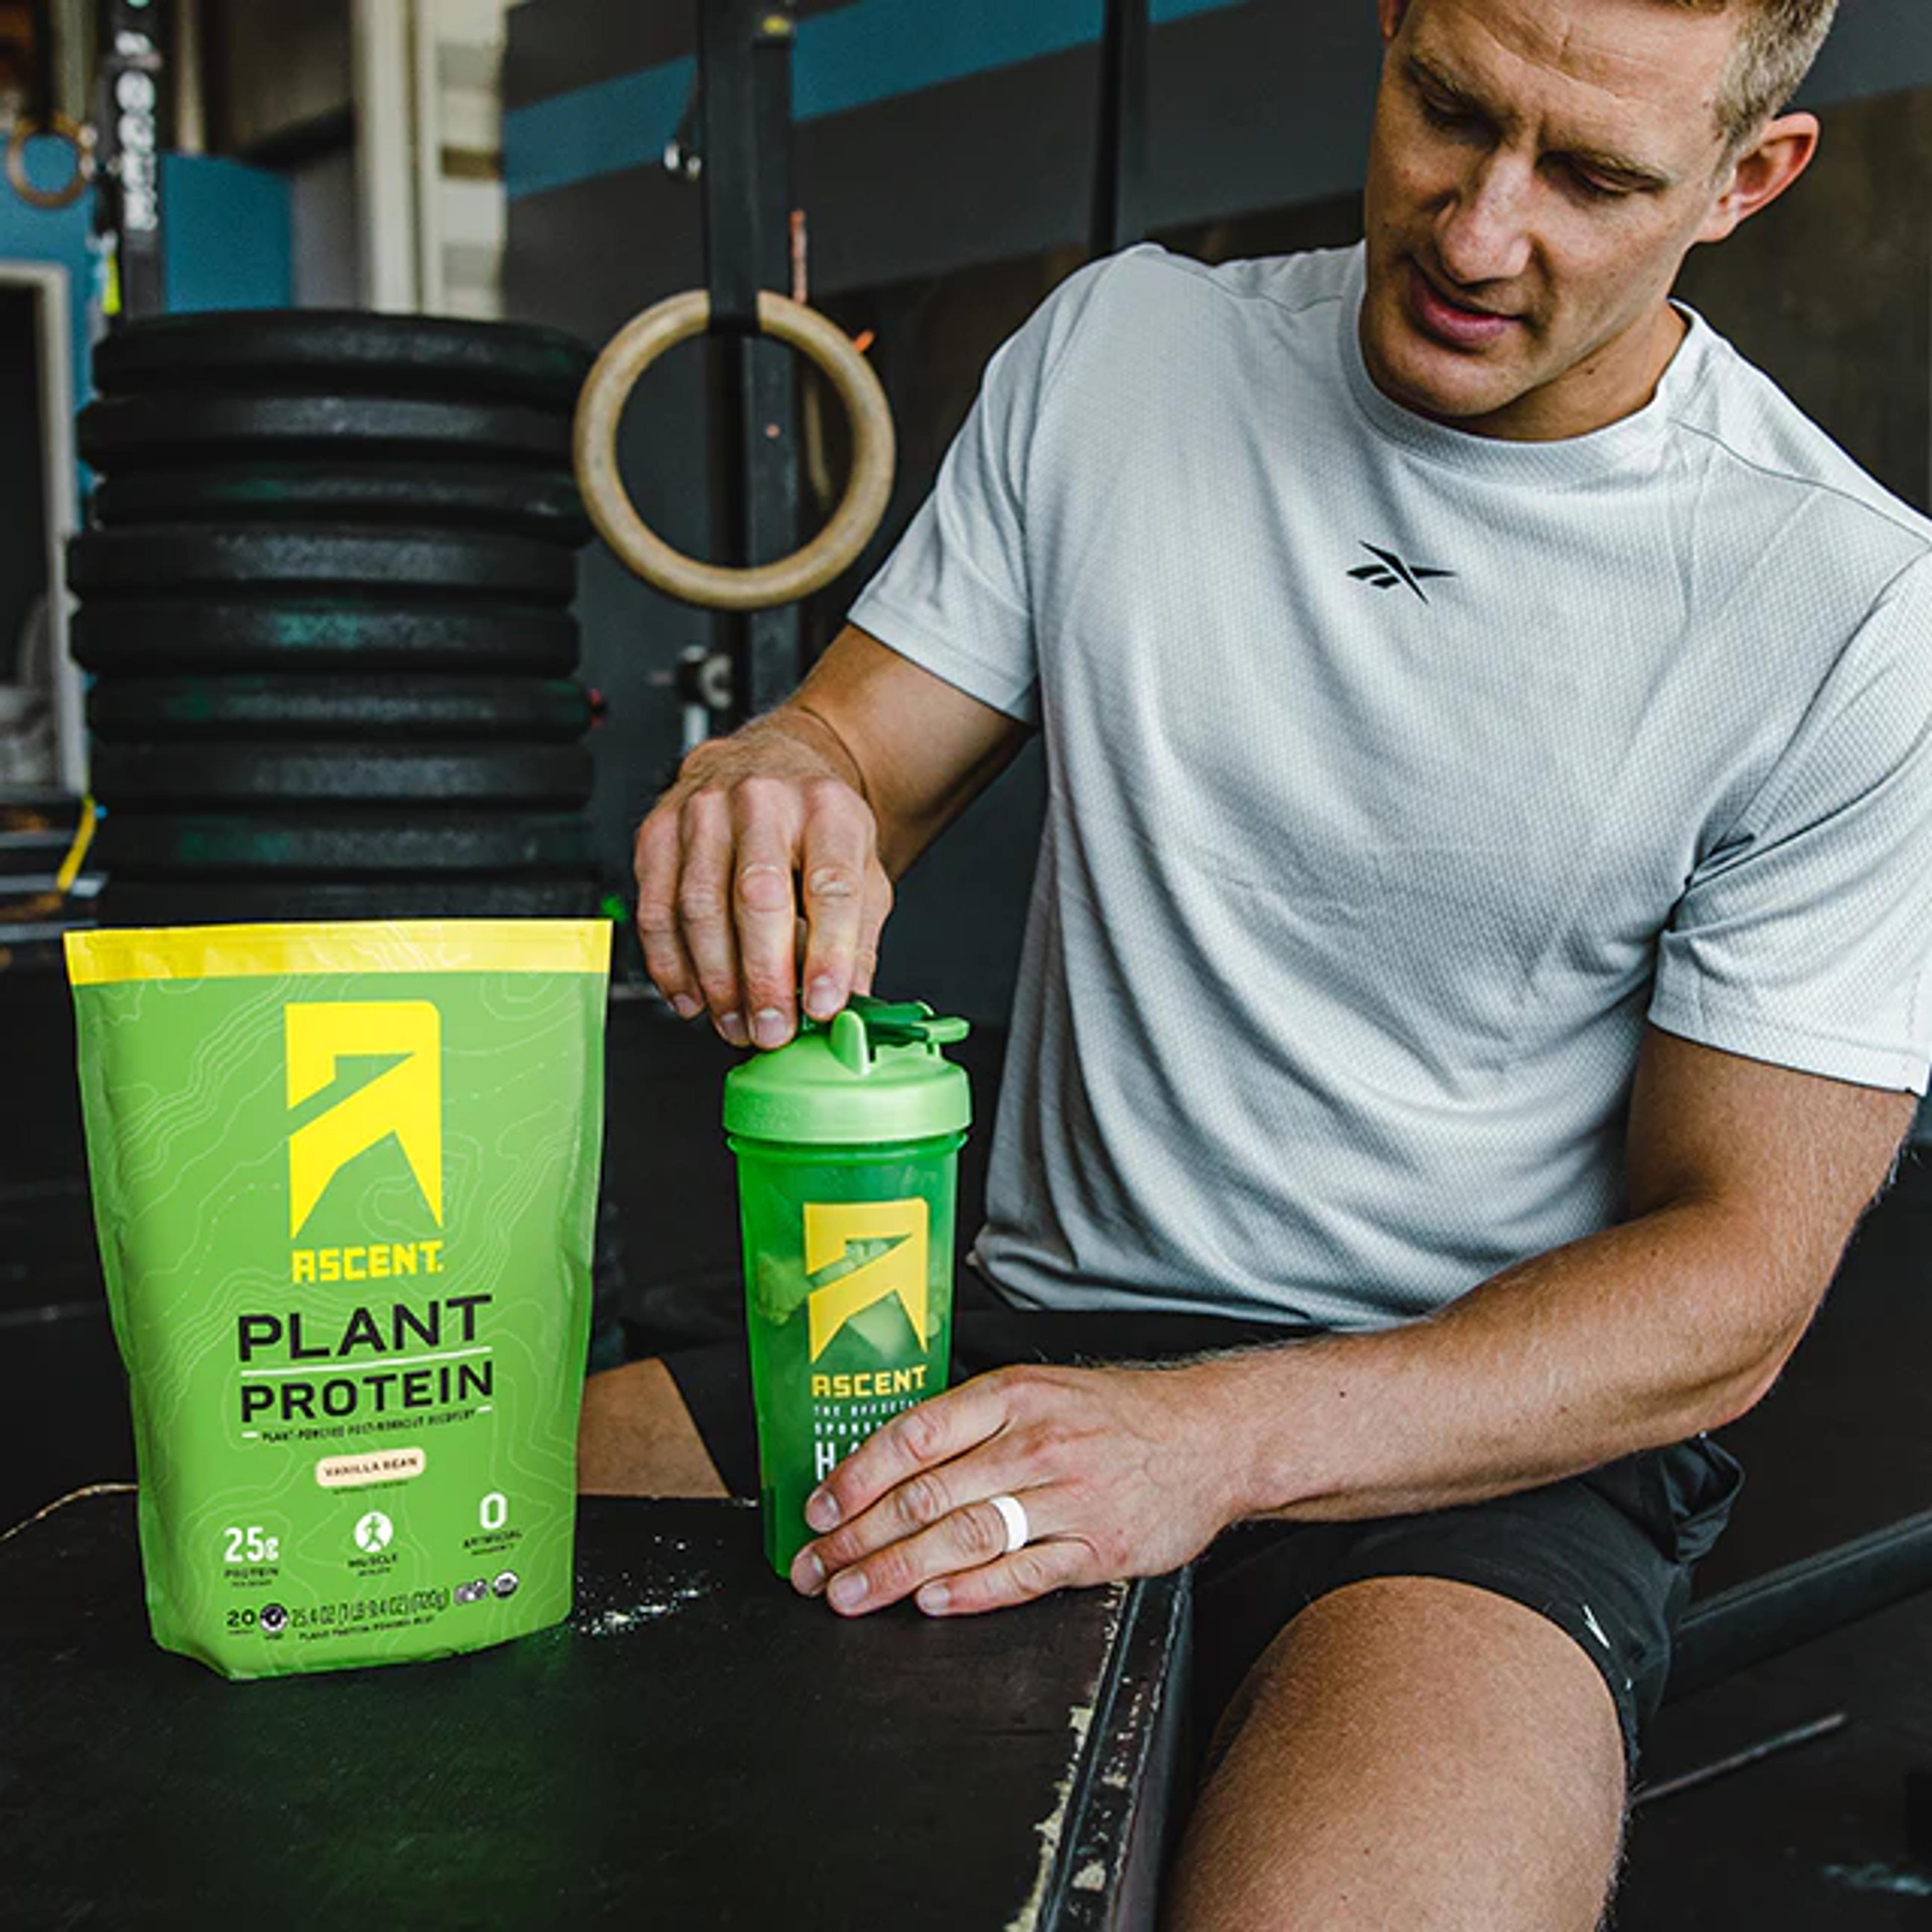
(58, 236)
(228, 240)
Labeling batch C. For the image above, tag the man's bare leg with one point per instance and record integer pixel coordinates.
(1415, 1752)
(636, 1437)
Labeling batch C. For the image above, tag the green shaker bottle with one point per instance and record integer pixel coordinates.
(848, 1142)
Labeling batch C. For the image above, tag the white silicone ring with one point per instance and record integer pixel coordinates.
(1012, 1513)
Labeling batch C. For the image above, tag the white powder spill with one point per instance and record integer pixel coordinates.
(660, 1587)
(619, 1622)
(629, 1601)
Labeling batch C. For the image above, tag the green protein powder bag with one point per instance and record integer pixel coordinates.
(345, 1181)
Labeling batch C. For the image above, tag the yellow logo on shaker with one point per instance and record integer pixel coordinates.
(830, 1228)
(405, 1099)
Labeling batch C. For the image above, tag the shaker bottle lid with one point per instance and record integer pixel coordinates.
(874, 1073)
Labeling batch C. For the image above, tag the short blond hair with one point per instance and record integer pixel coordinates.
(1776, 46)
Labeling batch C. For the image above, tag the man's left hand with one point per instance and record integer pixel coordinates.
(1122, 1472)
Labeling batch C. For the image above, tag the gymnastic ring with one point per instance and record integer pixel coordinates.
(718, 587)
(63, 128)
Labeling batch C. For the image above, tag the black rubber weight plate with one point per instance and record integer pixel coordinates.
(405, 707)
(169, 557)
(318, 349)
(165, 431)
(117, 637)
(216, 774)
(359, 844)
(541, 503)
(218, 902)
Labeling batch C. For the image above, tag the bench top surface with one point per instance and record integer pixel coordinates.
(697, 1746)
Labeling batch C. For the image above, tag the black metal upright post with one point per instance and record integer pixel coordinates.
(1120, 163)
(133, 120)
(44, 101)
(745, 68)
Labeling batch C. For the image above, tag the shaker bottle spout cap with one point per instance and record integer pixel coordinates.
(874, 1073)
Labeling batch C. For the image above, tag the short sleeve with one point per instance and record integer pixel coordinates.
(1805, 938)
(954, 596)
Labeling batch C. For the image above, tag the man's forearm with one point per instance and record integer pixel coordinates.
(1638, 1336)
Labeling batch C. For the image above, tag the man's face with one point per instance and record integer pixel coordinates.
(1540, 169)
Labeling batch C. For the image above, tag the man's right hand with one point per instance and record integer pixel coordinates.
(762, 831)
(803, 820)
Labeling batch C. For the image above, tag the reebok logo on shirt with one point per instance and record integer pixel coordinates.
(1388, 570)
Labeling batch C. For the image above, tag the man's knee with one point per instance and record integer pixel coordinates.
(1410, 1751)
(637, 1439)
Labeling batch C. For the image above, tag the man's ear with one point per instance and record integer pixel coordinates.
(1782, 152)
(1389, 13)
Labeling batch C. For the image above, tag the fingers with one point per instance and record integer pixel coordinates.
(704, 910)
(940, 1511)
(726, 865)
(901, 1559)
(1037, 1570)
(765, 816)
(904, 1454)
(873, 909)
(837, 861)
(957, 1565)
(655, 860)
(911, 1506)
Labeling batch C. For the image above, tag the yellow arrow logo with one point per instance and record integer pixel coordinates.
(830, 1228)
(405, 1099)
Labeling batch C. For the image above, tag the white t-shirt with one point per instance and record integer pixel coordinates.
(1396, 776)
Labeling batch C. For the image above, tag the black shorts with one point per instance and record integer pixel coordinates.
(1607, 1557)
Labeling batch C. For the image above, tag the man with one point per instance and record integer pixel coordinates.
(1479, 946)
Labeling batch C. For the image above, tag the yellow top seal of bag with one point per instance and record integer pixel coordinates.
(113, 956)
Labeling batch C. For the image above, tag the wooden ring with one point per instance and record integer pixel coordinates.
(63, 128)
(717, 587)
